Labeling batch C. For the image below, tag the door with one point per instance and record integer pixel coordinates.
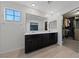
(76, 29)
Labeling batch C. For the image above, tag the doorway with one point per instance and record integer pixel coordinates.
(68, 27)
(71, 31)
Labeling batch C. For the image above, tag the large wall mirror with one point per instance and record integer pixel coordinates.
(35, 23)
(53, 25)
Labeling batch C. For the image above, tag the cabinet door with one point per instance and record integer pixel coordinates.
(56, 38)
(53, 38)
(46, 39)
(76, 29)
(77, 34)
(36, 41)
(40, 42)
(28, 44)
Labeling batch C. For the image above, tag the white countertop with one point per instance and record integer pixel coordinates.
(31, 33)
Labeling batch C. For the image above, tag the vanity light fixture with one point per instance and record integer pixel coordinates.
(33, 5)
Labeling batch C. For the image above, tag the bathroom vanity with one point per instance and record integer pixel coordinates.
(35, 41)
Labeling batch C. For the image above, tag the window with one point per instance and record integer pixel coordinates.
(33, 26)
(12, 15)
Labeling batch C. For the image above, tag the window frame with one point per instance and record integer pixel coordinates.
(14, 16)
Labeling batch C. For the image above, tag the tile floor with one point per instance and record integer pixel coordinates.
(53, 51)
(72, 44)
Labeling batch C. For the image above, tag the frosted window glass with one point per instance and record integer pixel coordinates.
(17, 13)
(9, 11)
(9, 17)
(17, 18)
(12, 15)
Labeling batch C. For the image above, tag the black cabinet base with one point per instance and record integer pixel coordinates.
(38, 41)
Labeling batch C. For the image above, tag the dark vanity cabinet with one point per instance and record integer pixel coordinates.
(36, 41)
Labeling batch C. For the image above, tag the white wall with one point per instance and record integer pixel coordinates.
(12, 37)
(12, 33)
(59, 28)
(59, 18)
(0, 28)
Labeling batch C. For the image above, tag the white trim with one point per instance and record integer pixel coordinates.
(60, 43)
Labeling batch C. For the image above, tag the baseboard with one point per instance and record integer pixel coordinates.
(13, 50)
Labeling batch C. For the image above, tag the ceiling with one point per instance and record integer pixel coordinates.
(52, 6)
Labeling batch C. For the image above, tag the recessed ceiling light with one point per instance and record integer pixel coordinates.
(33, 5)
